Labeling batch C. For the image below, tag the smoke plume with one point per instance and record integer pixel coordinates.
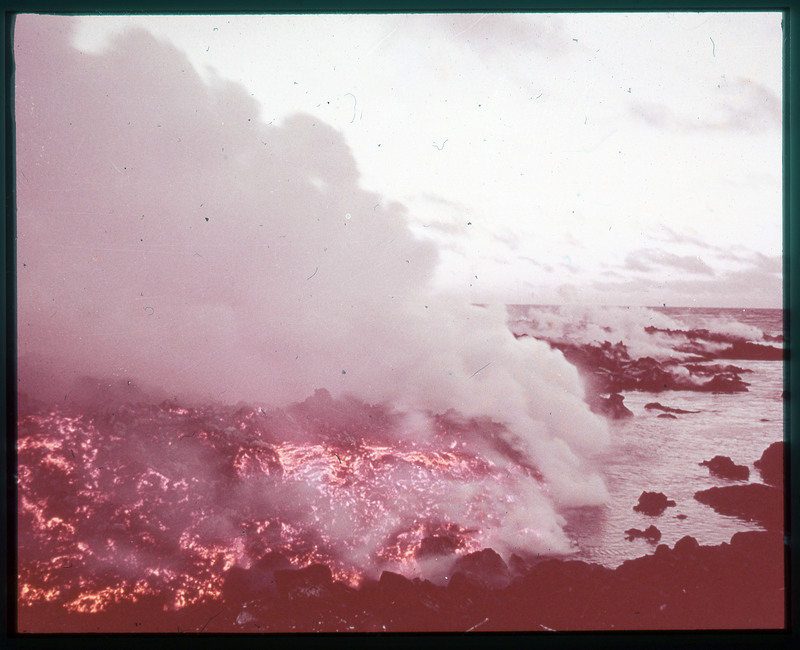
(168, 238)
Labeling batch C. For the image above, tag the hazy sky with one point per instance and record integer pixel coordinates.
(256, 207)
(602, 158)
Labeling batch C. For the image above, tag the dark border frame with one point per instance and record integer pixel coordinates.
(791, 226)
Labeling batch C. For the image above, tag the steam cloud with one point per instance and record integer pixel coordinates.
(170, 238)
(578, 324)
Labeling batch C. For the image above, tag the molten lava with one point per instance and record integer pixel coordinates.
(162, 501)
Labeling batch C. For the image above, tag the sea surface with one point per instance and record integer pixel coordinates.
(648, 453)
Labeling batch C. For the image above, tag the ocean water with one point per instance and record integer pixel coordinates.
(648, 453)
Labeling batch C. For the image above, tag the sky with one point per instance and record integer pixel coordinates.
(597, 158)
(258, 207)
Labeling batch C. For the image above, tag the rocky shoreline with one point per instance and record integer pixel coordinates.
(738, 585)
(610, 368)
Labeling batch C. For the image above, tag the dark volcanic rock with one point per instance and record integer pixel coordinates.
(715, 368)
(610, 369)
(753, 502)
(484, 567)
(724, 467)
(668, 416)
(651, 534)
(694, 334)
(751, 351)
(396, 584)
(731, 586)
(724, 384)
(740, 585)
(667, 409)
(611, 406)
(247, 583)
(770, 465)
(313, 581)
(437, 545)
(737, 347)
(409, 605)
(686, 546)
(653, 503)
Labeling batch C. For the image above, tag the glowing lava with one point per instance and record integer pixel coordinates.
(163, 501)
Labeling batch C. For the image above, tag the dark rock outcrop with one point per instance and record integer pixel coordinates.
(715, 368)
(653, 503)
(485, 567)
(246, 584)
(724, 384)
(668, 416)
(611, 406)
(667, 409)
(724, 467)
(762, 504)
(437, 545)
(735, 586)
(651, 534)
(696, 341)
(770, 465)
(751, 351)
(313, 581)
(610, 369)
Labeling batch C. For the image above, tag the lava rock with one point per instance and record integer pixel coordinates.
(770, 465)
(437, 545)
(313, 581)
(751, 351)
(611, 407)
(395, 583)
(706, 369)
(410, 605)
(724, 384)
(485, 567)
(753, 502)
(686, 546)
(466, 594)
(667, 409)
(653, 503)
(247, 583)
(610, 369)
(651, 534)
(724, 467)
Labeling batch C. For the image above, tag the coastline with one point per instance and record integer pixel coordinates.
(685, 585)
(732, 586)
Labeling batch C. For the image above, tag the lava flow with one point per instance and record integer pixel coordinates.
(158, 502)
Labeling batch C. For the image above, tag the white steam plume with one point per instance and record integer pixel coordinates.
(169, 236)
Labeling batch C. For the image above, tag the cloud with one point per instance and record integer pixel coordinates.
(768, 263)
(496, 33)
(752, 287)
(741, 105)
(646, 259)
(737, 256)
(535, 262)
(675, 237)
(167, 235)
(157, 210)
